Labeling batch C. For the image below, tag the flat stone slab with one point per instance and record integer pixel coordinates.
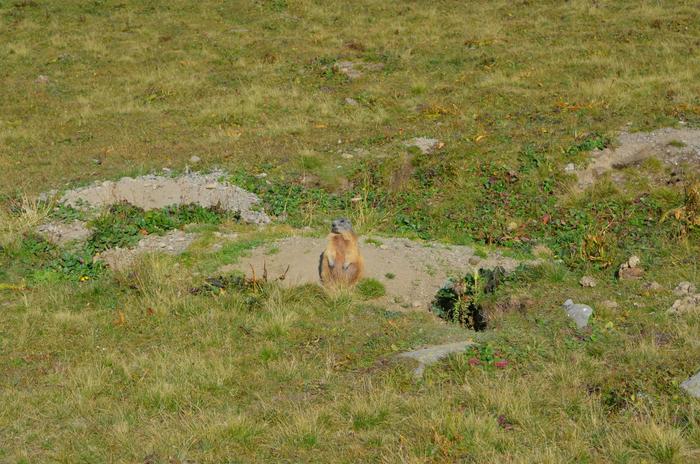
(432, 354)
(692, 386)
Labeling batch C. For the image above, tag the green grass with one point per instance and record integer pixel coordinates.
(370, 289)
(132, 367)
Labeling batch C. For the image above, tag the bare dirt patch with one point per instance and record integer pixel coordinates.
(411, 271)
(174, 242)
(60, 233)
(152, 192)
(677, 148)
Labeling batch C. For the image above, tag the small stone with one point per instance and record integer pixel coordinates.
(42, 79)
(580, 313)
(348, 68)
(684, 288)
(653, 286)
(347, 156)
(610, 304)
(474, 260)
(587, 281)
(570, 167)
(195, 159)
(630, 273)
(630, 269)
(351, 101)
(692, 386)
(687, 304)
(424, 144)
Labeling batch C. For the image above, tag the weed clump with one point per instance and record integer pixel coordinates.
(371, 289)
(461, 300)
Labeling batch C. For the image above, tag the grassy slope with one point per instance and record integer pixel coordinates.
(297, 375)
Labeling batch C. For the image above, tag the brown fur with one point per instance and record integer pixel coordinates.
(341, 262)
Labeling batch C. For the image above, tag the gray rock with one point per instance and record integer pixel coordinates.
(687, 304)
(433, 354)
(653, 286)
(692, 386)
(349, 69)
(684, 288)
(351, 101)
(580, 313)
(571, 167)
(424, 144)
(195, 159)
(587, 281)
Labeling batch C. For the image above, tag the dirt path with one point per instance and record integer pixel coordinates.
(411, 271)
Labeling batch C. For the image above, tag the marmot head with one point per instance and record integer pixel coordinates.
(340, 225)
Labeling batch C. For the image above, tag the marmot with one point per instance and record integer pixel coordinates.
(341, 263)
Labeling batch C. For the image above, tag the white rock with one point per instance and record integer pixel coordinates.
(634, 261)
(570, 167)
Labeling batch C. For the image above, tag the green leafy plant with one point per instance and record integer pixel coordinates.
(460, 300)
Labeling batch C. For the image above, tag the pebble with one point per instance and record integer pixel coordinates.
(587, 281)
(570, 167)
(351, 101)
(580, 313)
(195, 159)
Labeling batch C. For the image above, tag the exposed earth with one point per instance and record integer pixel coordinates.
(152, 192)
(411, 271)
(677, 148)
